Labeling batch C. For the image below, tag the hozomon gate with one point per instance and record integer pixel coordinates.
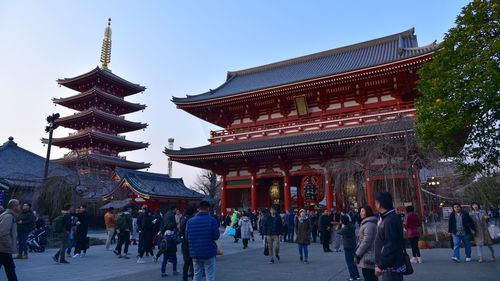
(284, 120)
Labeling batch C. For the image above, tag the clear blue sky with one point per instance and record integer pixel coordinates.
(176, 48)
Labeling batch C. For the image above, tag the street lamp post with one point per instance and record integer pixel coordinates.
(51, 119)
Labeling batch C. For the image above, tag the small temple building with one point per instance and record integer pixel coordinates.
(283, 121)
(99, 121)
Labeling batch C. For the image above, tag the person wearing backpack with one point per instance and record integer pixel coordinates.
(168, 248)
(123, 228)
(62, 228)
(8, 235)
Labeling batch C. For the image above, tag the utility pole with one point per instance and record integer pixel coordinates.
(51, 119)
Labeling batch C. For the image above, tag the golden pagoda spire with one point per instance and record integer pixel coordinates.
(106, 47)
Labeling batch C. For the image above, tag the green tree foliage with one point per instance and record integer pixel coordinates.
(485, 191)
(459, 105)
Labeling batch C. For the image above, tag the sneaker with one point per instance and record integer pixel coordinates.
(164, 275)
(455, 259)
(306, 261)
(140, 260)
(271, 261)
(116, 252)
(419, 259)
(413, 260)
(76, 256)
(467, 259)
(124, 257)
(278, 257)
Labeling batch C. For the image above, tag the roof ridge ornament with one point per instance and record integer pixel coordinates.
(106, 47)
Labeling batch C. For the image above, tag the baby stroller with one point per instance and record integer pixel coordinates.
(37, 240)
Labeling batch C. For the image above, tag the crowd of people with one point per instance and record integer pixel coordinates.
(372, 240)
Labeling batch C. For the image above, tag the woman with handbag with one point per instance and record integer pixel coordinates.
(481, 236)
(365, 255)
(412, 227)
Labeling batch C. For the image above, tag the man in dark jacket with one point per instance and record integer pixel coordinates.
(123, 229)
(82, 229)
(389, 242)
(187, 270)
(272, 232)
(169, 218)
(325, 230)
(25, 223)
(202, 232)
(290, 224)
(8, 235)
(460, 226)
(64, 235)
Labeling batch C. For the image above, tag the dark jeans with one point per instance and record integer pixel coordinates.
(290, 233)
(325, 239)
(145, 243)
(392, 276)
(23, 246)
(369, 274)
(64, 238)
(245, 242)
(7, 262)
(351, 265)
(314, 234)
(187, 268)
(123, 238)
(414, 246)
(172, 257)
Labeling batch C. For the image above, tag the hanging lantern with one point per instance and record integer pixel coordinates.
(311, 189)
(274, 192)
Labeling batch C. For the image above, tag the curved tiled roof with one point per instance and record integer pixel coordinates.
(155, 184)
(240, 148)
(127, 107)
(97, 72)
(126, 125)
(359, 56)
(106, 160)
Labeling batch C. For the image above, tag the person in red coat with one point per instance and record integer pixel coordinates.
(412, 227)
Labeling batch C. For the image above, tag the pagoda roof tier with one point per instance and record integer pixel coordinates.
(95, 96)
(91, 138)
(273, 145)
(119, 124)
(107, 160)
(340, 61)
(99, 76)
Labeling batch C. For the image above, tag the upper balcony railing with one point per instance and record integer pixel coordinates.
(311, 124)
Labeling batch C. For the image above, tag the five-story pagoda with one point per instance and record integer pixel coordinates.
(99, 121)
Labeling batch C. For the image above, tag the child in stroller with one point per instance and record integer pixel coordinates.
(37, 239)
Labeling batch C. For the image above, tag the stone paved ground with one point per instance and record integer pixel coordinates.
(241, 265)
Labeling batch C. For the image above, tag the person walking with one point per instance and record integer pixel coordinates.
(389, 242)
(460, 226)
(25, 224)
(146, 224)
(187, 269)
(348, 232)
(8, 236)
(245, 225)
(168, 248)
(290, 226)
(412, 227)
(303, 228)
(110, 222)
(202, 232)
(234, 223)
(62, 228)
(481, 237)
(82, 229)
(325, 229)
(335, 237)
(123, 228)
(313, 217)
(272, 231)
(365, 255)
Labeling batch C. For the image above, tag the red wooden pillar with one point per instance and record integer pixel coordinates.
(253, 191)
(329, 192)
(223, 196)
(288, 194)
(370, 196)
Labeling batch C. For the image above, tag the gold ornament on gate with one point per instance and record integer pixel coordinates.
(274, 192)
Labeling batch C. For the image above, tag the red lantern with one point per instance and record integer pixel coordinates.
(312, 191)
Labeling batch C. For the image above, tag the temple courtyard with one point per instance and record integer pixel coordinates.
(241, 265)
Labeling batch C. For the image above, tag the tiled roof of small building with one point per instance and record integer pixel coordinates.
(155, 184)
(298, 140)
(367, 54)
